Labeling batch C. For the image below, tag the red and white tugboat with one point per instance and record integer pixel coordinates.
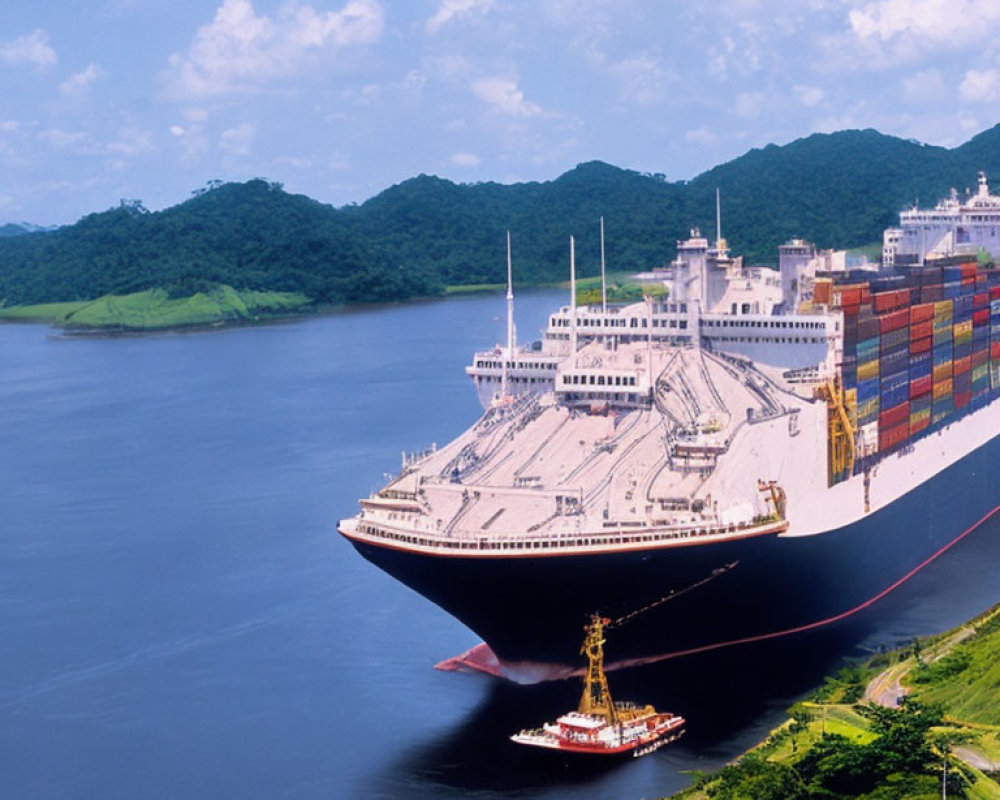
(600, 725)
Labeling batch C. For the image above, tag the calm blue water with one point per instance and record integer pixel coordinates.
(179, 619)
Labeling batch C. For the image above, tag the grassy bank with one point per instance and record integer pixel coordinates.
(155, 309)
(881, 729)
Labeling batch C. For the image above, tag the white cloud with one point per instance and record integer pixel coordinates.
(466, 160)
(239, 50)
(702, 135)
(503, 94)
(980, 86)
(237, 140)
(950, 22)
(750, 105)
(809, 95)
(131, 141)
(32, 49)
(78, 83)
(450, 9)
(926, 86)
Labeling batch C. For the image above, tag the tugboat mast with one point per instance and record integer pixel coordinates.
(596, 697)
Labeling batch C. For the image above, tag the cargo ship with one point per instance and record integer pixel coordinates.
(763, 494)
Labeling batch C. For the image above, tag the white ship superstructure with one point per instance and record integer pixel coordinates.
(953, 227)
(712, 300)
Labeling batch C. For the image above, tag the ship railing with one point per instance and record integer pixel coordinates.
(641, 534)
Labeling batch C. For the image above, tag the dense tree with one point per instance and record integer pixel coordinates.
(837, 189)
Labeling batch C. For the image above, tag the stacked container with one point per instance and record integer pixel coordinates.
(920, 349)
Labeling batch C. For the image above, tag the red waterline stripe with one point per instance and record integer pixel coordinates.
(635, 662)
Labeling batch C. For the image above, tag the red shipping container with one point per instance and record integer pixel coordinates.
(920, 386)
(962, 399)
(919, 330)
(921, 312)
(890, 301)
(968, 270)
(921, 345)
(995, 350)
(979, 357)
(995, 293)
(966, 282)
(980, 300)
(892, 437)
(962, 365)
(980, 318)
(892, 417)
(894, 320)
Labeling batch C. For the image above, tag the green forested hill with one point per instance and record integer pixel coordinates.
(837, 190)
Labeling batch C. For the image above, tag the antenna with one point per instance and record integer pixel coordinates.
(604, 283)
(718, 218)
(572, 297)
(509, 352)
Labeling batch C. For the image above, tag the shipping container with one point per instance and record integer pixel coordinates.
(920, 421)
(921, 403)
(894, 362)
(922, 312)
(942, 372)
(920, 386)
(962, 398)
(868, 410)
(931, 293)
(891, 300)
(921, 364)
(894, 389)
(942, 389)
(867, 349)
(891, 417)
(980, 373)
(962, 349)
(892, 438)
(962, 365)
(867, 370)
(867, 390)
(894, 339)
(981, 300)
(980, 357)
(943, 310)
(924, 345)
(981, 317)
(868, 327)
(920, 330)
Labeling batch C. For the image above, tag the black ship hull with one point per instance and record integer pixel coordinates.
(532, 609)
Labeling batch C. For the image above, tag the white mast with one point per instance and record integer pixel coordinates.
(509, 350)
(604, 283)
(718, 219)
(572, 297)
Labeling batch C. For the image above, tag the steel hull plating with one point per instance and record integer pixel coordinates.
(531, 609)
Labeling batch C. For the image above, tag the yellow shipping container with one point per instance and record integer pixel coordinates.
(963, 328)
(916, 417)
(942, 372)
(942, 310)
(942, 390)
(868, 370)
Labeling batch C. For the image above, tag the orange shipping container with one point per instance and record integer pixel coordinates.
(942, 372)
(942, 390)
(918, 330)
(921, 345)
(962, 365)
(822, 290)
(921, 312)
(894, 320)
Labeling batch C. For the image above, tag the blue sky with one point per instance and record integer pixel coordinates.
(339, 99)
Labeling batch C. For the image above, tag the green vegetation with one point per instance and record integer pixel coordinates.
(426, 234)
(834, 747)
(155, 309)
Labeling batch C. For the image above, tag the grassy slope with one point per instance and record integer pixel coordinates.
(156, 310)
(969, 698)
(971, 692)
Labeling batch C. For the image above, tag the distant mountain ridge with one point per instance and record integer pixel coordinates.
(837, 190)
